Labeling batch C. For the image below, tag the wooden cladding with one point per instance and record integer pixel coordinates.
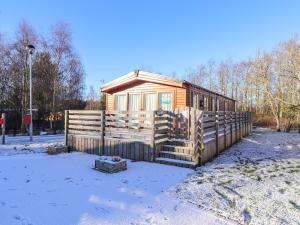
(178, 95)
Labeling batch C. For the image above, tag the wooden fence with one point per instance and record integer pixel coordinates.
(131, 135)
(213, 132)
(141, 135)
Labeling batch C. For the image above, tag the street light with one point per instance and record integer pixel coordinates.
(30, 49)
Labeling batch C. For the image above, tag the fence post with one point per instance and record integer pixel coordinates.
(3, 128)
(199, 138)
(225, 137)
(231, 121)
(192, 125)
(66, 126)
(245, 124)
(170, 122)
(240, 123)
(102, 142)
(152, 141)
(217, 132)
(236, 127)
(250, 123)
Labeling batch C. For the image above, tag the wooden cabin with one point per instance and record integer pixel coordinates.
(139, 90)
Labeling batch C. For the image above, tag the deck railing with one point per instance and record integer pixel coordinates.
(213, 132)
(140, 135)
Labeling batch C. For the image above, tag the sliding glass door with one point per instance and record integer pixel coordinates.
(150, 101)
(134, 103)
(120, 102)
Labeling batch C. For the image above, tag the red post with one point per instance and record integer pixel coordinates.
(2, 123)
(27, 119)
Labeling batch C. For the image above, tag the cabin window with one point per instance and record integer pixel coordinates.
(120, 102)
(165, 101)
(213, 105)
(196, 101)
(205, 104)
(201, 104)
(150, 101)
(134, 102)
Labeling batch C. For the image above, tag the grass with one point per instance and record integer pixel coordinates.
(294, 204)
(247, 216)
(230, 202)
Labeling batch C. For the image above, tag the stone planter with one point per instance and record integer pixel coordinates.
(110, 164)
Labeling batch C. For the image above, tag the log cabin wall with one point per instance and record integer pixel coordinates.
(179, 95)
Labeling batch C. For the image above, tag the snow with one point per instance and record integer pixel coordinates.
(256, 181)
(41, 189)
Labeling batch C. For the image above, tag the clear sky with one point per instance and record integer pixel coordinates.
(115, 37)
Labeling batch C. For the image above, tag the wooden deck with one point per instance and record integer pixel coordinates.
(186, 136)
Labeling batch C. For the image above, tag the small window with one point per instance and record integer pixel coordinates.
(120, 102)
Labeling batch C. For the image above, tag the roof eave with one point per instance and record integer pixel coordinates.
(140, 76)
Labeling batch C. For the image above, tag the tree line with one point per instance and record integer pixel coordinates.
(267, 85)
(57, 72)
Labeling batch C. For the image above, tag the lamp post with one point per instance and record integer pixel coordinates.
(30, 49)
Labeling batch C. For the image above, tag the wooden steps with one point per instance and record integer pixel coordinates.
(176, 155)
(178, 152)
(178, 149)
(176, 162)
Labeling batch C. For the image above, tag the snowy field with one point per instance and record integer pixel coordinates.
(257, 181)
(40, 189)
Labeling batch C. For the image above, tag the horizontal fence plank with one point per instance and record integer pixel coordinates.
(118, 129)
(137, 117)
(84, 132)
(82, 127)
(128, 112)
(85, 122)
(128, 125)
(89, 112)
(127, 136)
(85, 117)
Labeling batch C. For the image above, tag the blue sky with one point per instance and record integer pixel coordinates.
(116, 37)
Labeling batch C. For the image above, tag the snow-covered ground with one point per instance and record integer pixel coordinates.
(21, 144)
(257, 181)
(41, 189)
